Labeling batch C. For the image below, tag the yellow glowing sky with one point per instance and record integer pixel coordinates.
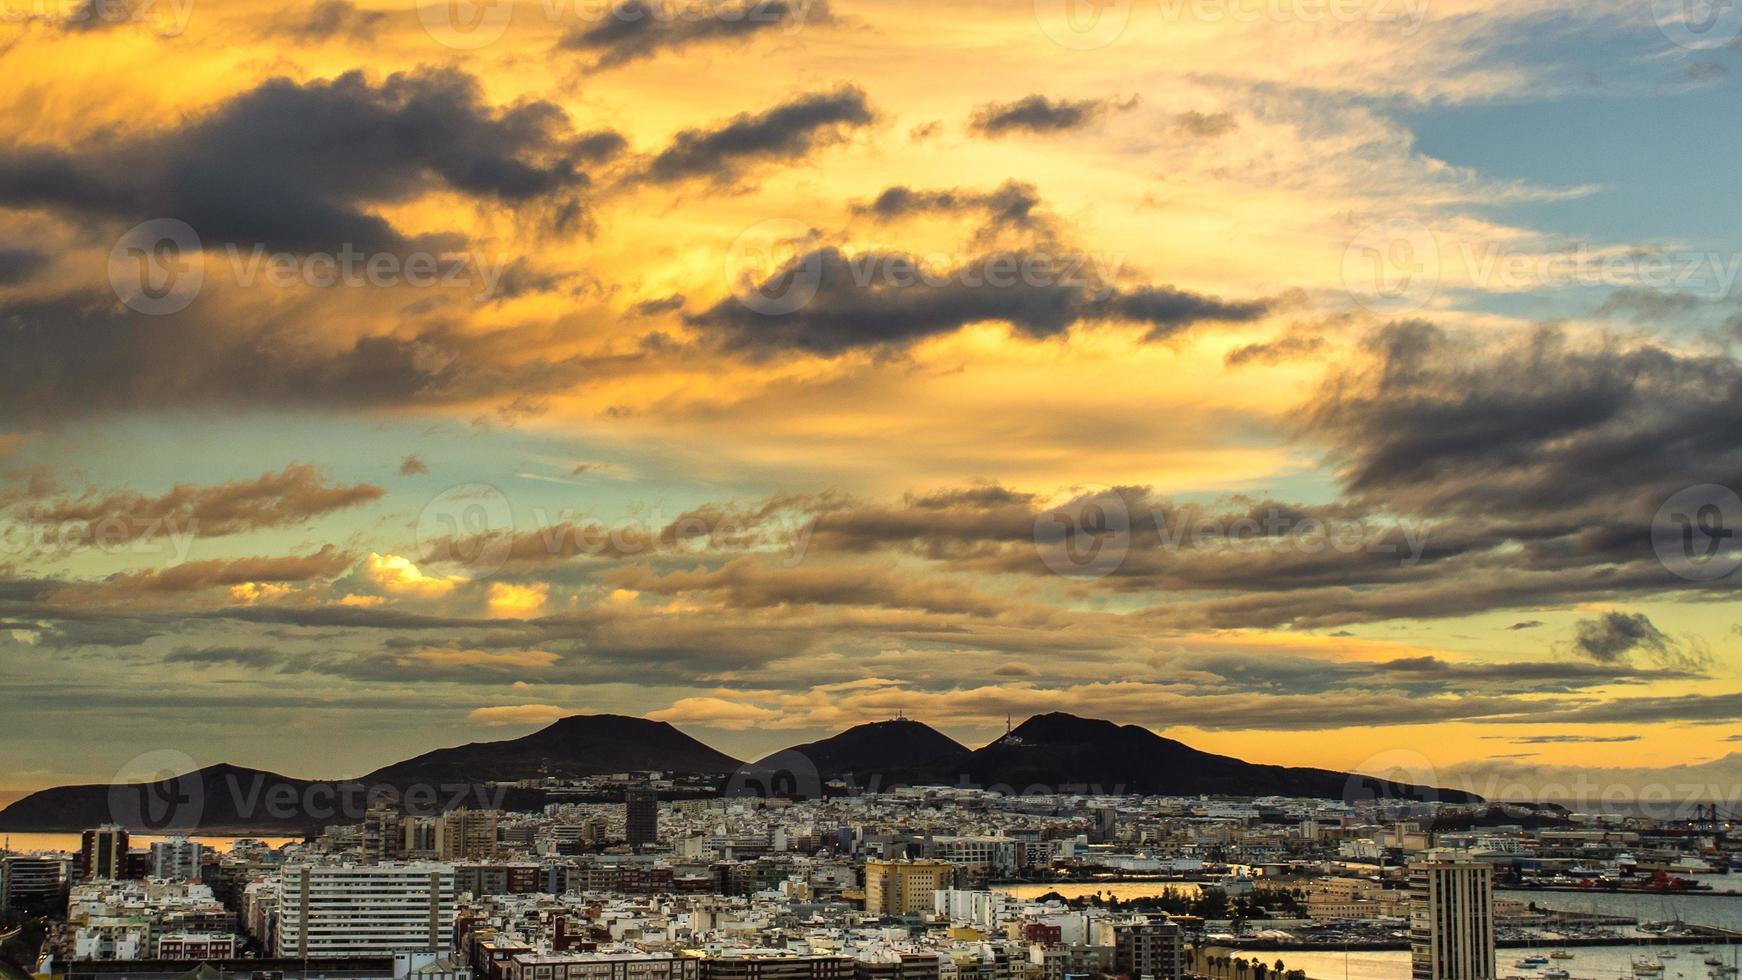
(1415, 233)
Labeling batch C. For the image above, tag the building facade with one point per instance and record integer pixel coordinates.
(905, 887)
(369, 910)
(1451, 919)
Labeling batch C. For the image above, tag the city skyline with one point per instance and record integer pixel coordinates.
(1344, 385)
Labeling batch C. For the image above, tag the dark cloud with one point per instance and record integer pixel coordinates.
(1616, 637)
(1038, 114)
(81, 355)
(634, 30)
(413, 465)
(299, 166)
(655, 307)
(1564, 739)
(331, 19)
(869, 300)
(1604, 431)
(19, 264)
(1012, 204)
(1205, 125)
(1284, 348)
(1528, 624)
(790, 131)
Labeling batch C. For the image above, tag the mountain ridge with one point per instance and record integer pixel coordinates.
(1055, 750)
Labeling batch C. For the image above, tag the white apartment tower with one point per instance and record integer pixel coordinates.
(1451, 918)
(368, 910)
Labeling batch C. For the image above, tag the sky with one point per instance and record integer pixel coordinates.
(1344, 383)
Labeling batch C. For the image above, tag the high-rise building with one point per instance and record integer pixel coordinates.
(177, 859)
(365, 910)
(103, 853)
(905, 887)
(383, 837)
(1451, 918)
(641, 816)
(466, 834)
(31, 882)
(1149, 950)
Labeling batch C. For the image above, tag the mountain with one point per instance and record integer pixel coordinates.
(214, 799)
(900, 745)
(1053, 750)
(1065, 751)
(580, 745)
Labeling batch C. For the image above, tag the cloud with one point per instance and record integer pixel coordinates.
(789, 131)
(1443, 423)
(19, 264)
(1038, 114)
(635, 30)
(281, 165)
(889, 299)
(413, 465)
(1615, 637)
(1013, 205)
(1205, 125)
(712, 712)
(329, 19)
(518, 714)
(1288, 347)
(198, 576)
(393, 575)
(1527, 624)
(508, 600)
(291, 496)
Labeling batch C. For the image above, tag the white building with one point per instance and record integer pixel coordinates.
(1451, 918)
(177, 859)
(371, 910)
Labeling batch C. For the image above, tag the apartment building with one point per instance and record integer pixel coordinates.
(368, 910)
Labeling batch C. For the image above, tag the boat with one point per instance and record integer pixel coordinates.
(1523, 965)
(1647, 966)
(1556, 975)
(1561, 954)
(1534, 959)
